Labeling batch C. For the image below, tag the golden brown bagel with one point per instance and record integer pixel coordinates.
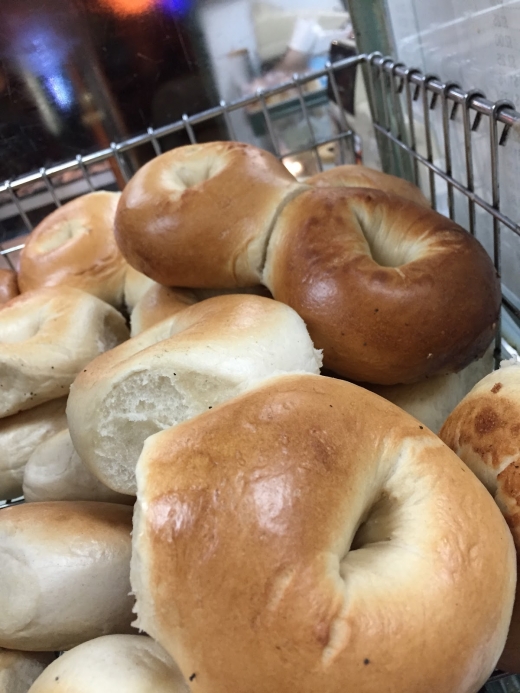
(8, 285)
(484, 431)
(355, 176)
(75, 246)
(199, 216)
(310, 536)
(391, 291)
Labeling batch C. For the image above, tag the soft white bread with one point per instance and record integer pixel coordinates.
(432, 400)
(64, 573)
(55, 472)
(355, 176)
(8, 285)
(75, 246)
(18, 670)
(189, 363)
(484, 431)
(20, 435)
(156, 304)
(310, 536)
(125, 663)
(46, 338)
(200, 216)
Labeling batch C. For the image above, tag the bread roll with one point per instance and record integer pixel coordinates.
(156, 304)
(136, 285)
(8, 285)
(126, 663)
(432, 400)
(484, 432)
(18, 670)
(199, 216)
(20, 436)
(310, 536)
(392, 292)
(46, 338)
(202, 356)
(75, 246)
(64, 571)
(355, 176)
(55, 472)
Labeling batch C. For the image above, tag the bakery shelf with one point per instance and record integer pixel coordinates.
(428, 130)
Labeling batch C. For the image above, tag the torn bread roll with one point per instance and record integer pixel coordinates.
(126, 663)
(200, 215)
(202, 356)
(75, 246)
(19, 670)
(54, 471)
(356, 176)
(20, 436)
(484, 431)
(46, 337)
(64, 571)
(310, 536)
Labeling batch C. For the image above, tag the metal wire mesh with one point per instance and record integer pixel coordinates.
(404, 101)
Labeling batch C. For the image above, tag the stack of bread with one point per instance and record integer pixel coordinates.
(271, 528)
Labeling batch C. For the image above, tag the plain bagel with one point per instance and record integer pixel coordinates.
(199, 216)
(392, 292)
(46, 337)
(8, 285)
(203, 355)
(126, 663)
(75, 246)
(484, 431)
(64, 572)
(20, 435)
(310, 536)
(355, 176)
(156, 304)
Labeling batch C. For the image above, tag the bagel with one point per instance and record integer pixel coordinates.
(200, 215)
(156, 304)
(46, 338)
(177, 369)
(392, 292)
(20, 436)
(8, 285)
(64, 571)
(484, 432)
(136, 285)
(127, 663)
(310, 536)
(355, 176)
(55, 472)
(75, 246)
(18, 670)
(432, 400)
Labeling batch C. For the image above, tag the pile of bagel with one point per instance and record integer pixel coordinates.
(258, 438)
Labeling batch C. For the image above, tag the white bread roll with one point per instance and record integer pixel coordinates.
(55, 472)
(18, 670)
(310, 536)
(204, 355)
(46, 337)
(125, 663)
(20, 435)
(64, 574)
(431, 401)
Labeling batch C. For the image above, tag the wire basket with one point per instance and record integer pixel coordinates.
(427, 131)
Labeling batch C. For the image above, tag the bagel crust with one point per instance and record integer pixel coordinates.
(8, 285)
(199, 216)
(310, 536)
(391, 291)
(355, 176)
(75, 246)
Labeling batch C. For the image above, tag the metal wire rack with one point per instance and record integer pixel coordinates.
(429, 129)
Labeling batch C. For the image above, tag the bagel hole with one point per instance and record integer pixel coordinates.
(60, 234)
(23, 328)
(196, 172)
(384, 248)
(378, 525)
